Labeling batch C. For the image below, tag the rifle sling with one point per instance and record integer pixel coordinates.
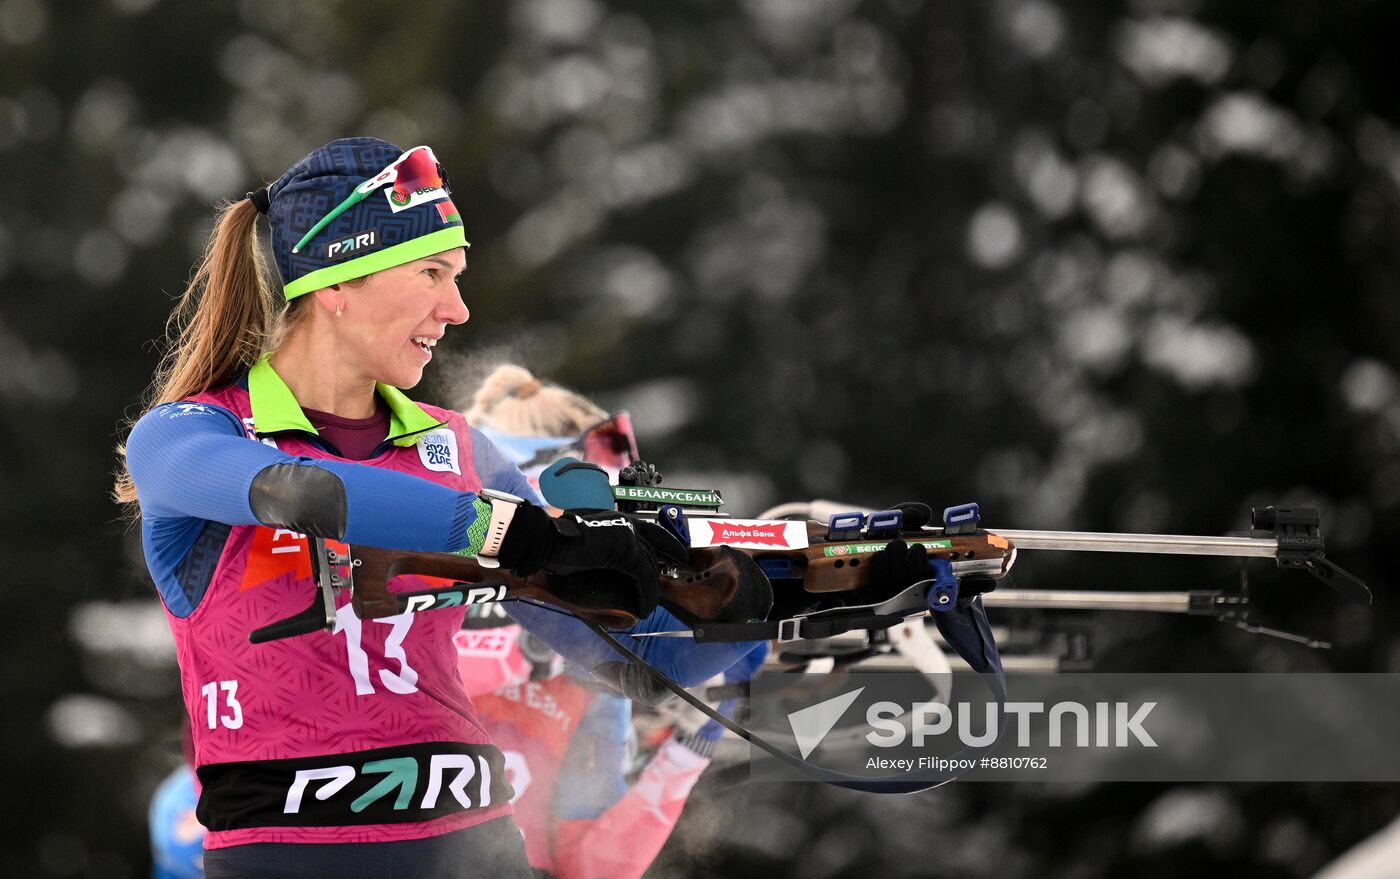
(794, 628)
(822, 623)
(965, 629)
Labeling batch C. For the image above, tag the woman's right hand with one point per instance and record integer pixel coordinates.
(594, 559)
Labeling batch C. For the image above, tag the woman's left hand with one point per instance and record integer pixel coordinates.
(594, 559)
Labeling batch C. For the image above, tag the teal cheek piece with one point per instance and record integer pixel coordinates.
(571, 484)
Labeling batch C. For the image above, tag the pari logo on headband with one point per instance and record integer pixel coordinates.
(353, 245)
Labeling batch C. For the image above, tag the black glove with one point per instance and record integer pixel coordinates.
(892, 570)
(917, 515)
(604, 559)
(665, 544)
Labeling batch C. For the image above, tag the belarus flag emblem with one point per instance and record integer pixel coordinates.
(448, 211)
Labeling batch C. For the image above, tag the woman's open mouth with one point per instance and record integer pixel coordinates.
(425, 345)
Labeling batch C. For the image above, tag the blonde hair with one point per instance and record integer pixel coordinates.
(227, 317)
(512, 400)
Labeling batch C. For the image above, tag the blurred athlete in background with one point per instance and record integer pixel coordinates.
(566, 740)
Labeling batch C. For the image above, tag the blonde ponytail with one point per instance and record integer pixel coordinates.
(512, 400)
(223, 323)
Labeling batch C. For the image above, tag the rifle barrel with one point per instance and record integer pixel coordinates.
(1156, 544)
(1160, 602)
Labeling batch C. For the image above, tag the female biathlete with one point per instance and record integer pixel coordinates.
(565, 739)
(352, 753)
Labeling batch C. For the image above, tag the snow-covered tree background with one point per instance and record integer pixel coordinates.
(1105, 265)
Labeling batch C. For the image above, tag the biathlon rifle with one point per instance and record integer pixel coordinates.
(724, 592)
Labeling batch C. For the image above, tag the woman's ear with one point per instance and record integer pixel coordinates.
(331, 298)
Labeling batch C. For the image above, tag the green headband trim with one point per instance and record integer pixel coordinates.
(408, 251)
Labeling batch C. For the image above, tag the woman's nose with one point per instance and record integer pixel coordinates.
(454, 310)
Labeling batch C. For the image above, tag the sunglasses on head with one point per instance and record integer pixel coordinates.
(610, 444)
(413, 175)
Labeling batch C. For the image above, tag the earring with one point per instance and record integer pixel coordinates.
(337, 311)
